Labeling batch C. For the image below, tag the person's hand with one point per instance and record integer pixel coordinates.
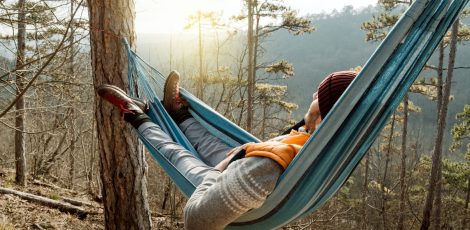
(312, 125)
(228, 156)
(313, 116)
(235, 150)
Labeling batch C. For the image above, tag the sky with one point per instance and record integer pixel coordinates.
(170, 16)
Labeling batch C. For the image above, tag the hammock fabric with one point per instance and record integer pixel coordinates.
(337, 146)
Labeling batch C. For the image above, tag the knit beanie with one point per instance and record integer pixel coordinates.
(331, 88)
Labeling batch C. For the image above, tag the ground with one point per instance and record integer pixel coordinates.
(16, 213)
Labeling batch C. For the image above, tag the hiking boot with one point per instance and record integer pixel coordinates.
(121, 100)
(171, 97)
(174, 104)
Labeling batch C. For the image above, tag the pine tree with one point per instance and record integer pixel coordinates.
(460, 137)
(202, 19)
(377, 30)
(257, 13)
(123, 166)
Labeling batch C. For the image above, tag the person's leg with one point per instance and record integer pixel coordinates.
(187, 164)
(211, 149)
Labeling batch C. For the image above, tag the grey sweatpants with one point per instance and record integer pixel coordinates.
(211, 149)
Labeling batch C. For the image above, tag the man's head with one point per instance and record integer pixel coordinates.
(329, 91)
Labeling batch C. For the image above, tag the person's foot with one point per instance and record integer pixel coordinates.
(174, 104)
(172, 101)
(119, 98)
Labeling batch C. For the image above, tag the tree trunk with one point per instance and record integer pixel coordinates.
(435, 182)
(251, 80)
(365, 192)
(20, 155)
(403, 164)
(440, 75)
(467, 200)
(72, 118)
(430, 196)
(442, 121)
(255, 54)
(166, 194)
(263, 121)
(91, 161)
(123, 167)
(201, 80)
(384, 179)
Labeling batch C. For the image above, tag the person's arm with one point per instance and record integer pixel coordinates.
(221, 166)
(222, 197)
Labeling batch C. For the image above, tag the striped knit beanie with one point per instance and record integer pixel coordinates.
(331, 88)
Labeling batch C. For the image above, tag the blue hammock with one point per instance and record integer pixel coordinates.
(340, 142)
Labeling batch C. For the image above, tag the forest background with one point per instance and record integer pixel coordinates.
(59, 129)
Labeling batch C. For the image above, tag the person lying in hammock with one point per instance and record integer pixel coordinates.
(226, 188)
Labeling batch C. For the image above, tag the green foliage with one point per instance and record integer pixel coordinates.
(290, 21)
(464, 34)
(283, 67)
(295, 24)
(455, 174)
(461, 131)
(54, 196)
(273, 94)
(6, 226)
(377, 29)
(389, 5)
(427, 87)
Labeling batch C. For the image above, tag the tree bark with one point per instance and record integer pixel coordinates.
(166, 194)
(71, 73)
(435, 182)
(123, 167)
(255, 55)
(403, 165)
(365, 192)
(467, 200)
(263, 121)
(440, 75)
(201, 80)
(20, 155)
(384, 178)
(442, 121)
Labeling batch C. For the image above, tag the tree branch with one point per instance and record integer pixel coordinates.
(64, 38)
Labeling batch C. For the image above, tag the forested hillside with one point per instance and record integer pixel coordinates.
(69, 159)
(338, 43)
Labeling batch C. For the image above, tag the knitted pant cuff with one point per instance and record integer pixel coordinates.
(136, 119)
